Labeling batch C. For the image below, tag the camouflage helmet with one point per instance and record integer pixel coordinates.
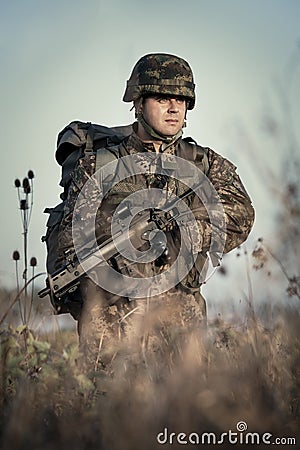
(160, 73)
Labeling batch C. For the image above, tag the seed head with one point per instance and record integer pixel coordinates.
(16, 255)
(30, 174)
(33, 261)
(25, 183)
(17, 183)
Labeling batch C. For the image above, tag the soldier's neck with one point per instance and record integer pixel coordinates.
(147, 138)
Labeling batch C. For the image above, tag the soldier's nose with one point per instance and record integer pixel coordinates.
(173, 106)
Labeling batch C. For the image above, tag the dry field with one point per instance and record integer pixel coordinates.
(242, 371)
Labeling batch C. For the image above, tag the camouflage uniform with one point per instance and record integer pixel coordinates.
(105, 317)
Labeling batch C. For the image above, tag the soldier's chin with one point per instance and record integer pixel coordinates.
(171, 135)
(172, 130)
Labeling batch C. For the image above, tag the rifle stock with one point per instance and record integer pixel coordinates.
(67, 279)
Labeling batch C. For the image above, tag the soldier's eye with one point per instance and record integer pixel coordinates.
(162, 99)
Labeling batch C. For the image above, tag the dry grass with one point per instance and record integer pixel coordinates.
(206, 383)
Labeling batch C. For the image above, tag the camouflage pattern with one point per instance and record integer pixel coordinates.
(107, 319)
(160, 73)
(107, 330)
(239, 212)
(82, 173)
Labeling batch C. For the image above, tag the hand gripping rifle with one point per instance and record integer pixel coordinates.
(144, 226)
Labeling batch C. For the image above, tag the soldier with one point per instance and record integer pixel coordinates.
(162, 90)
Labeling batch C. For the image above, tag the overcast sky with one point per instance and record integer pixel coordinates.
(68, 59)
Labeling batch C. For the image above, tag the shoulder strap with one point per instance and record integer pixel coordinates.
(89, 146)
(191, 151)
(104, 156)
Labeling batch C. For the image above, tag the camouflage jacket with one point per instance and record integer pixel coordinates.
(238, 210)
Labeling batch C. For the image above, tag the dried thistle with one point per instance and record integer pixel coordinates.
(293, 288)
(260, 256)
(25, 200)
(16, 255)
(33, 262)
(25, 184)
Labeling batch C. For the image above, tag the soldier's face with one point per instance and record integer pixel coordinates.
(164, 114)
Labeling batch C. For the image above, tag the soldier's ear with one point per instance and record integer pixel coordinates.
(186, 108)
(134, 106)
(138, 106)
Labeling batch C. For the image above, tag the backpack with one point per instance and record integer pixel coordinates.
(73, 142)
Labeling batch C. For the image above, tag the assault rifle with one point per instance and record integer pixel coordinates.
(145, 226)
